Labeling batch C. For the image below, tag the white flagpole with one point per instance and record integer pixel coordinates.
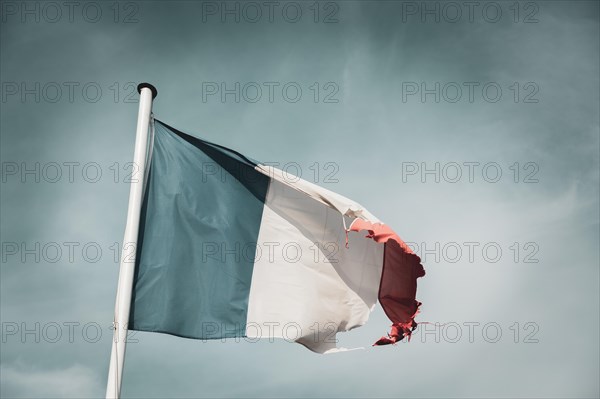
(127, 267)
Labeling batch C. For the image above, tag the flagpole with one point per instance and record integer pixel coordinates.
(127, 265)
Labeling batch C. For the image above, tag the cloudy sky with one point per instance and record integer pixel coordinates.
(473, 130)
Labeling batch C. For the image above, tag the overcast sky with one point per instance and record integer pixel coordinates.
(472, 130)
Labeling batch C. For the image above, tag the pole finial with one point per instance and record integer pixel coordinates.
(148, 85)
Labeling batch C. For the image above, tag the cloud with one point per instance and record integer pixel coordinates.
(76, 381)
